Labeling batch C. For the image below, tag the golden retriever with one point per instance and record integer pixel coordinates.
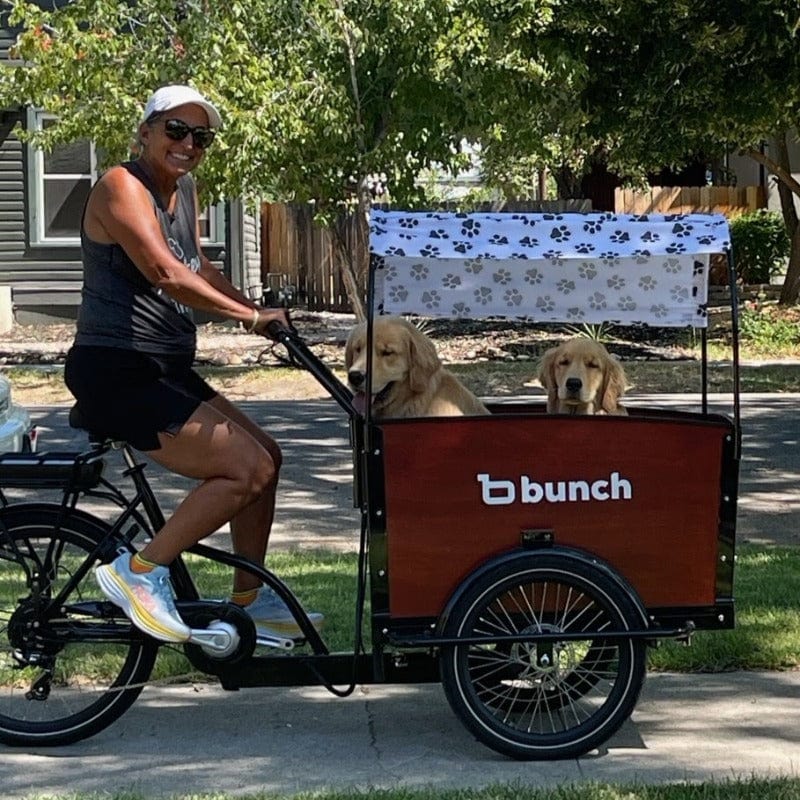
(580, 377)
(408, 379)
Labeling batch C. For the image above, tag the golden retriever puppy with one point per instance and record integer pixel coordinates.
(408, 379)
(582, 378)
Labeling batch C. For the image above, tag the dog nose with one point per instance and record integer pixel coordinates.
(574, 385)
(355, 377)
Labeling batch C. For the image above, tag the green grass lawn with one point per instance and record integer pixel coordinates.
(753, 789)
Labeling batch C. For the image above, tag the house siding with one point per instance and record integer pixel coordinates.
(43, 280)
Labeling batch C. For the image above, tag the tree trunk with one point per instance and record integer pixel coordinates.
(788, 189)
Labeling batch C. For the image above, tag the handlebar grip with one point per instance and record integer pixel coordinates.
(275, 329)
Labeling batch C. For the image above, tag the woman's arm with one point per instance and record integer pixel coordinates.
(120, 211)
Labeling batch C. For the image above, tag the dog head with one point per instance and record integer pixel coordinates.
(403, 361)
(582, 378)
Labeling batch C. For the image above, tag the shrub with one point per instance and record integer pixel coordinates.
(760, 245)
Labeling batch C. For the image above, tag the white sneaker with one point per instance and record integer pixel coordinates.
(146, 598)
(273, 618)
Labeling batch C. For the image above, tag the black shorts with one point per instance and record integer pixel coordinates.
(132, 396)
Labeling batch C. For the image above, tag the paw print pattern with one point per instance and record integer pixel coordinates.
(597, 301)
(470, 228)
(587, 270)
(483, 295)
(390, 272)
(429, 250)
(462, 247)
(451, 281)
(641, 256)
(502, 276)
(419, 272)
(626, 303)
(551, 254)
(672, 265)
(680, 294)
(498, 239)
(620, 236)
(519, 256)
(565, 287)
(616, 282)
(647, 283)
(431, 299)
(460, 310)
(584, 248)
(474, 266)
(398, 294)
(546, 303)
(609, 257)
(533, 276)
(395, 251)
(676, 247)
(575, 313)
(593, 226)
(439, 234)
(379, 262)
(408, 222)
(513, 297)
(682, 229)
(529, 241)
(659, 311)
(560, 233)
(650, 236)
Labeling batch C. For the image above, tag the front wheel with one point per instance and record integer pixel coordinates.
(553, 698)
(65, 674)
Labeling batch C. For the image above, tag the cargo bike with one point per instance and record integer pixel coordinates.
(523, 559)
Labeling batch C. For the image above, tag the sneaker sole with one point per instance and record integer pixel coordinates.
(117, 591)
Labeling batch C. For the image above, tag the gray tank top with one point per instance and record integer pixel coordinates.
(119, 306)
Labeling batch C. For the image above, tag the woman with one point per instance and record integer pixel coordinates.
(130, 367)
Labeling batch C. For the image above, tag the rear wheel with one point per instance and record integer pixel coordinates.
(69, 674)
(549, 698)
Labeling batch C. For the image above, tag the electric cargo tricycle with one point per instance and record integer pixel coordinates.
(525, 560)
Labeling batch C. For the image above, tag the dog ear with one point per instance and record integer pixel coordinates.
(350, 345)
(547, 377)
(423, 360)
(614, 384)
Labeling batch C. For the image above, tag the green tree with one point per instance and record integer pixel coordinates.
(316, 94)
(654, 83)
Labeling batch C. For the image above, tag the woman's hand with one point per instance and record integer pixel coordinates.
(262, 324)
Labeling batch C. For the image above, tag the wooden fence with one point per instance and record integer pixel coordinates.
(729, 200)
(297, 252)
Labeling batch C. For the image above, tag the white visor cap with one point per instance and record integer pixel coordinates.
(169, 97)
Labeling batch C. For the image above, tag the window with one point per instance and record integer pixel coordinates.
(59, 183)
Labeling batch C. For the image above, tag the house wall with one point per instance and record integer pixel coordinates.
(44, 280)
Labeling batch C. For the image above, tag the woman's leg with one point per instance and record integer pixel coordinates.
(251, 527)
(235, 471)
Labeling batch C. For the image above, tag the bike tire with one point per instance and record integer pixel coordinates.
(548, 700)
(55, 689)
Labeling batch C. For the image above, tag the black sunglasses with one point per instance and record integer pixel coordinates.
(177, 129)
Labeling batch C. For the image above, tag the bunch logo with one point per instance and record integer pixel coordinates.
(504, 491)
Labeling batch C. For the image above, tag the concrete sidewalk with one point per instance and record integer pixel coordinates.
(186, 740)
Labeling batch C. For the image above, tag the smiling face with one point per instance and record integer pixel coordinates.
(167, 156)
(403, 361)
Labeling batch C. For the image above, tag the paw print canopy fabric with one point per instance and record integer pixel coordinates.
(595, 267)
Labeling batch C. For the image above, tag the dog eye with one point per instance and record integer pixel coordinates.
(564, 362)
(593, 365)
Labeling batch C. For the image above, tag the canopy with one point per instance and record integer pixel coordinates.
(570, 267)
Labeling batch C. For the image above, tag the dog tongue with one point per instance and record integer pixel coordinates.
(360, 402)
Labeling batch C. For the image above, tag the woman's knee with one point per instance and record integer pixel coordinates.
(256, 474)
